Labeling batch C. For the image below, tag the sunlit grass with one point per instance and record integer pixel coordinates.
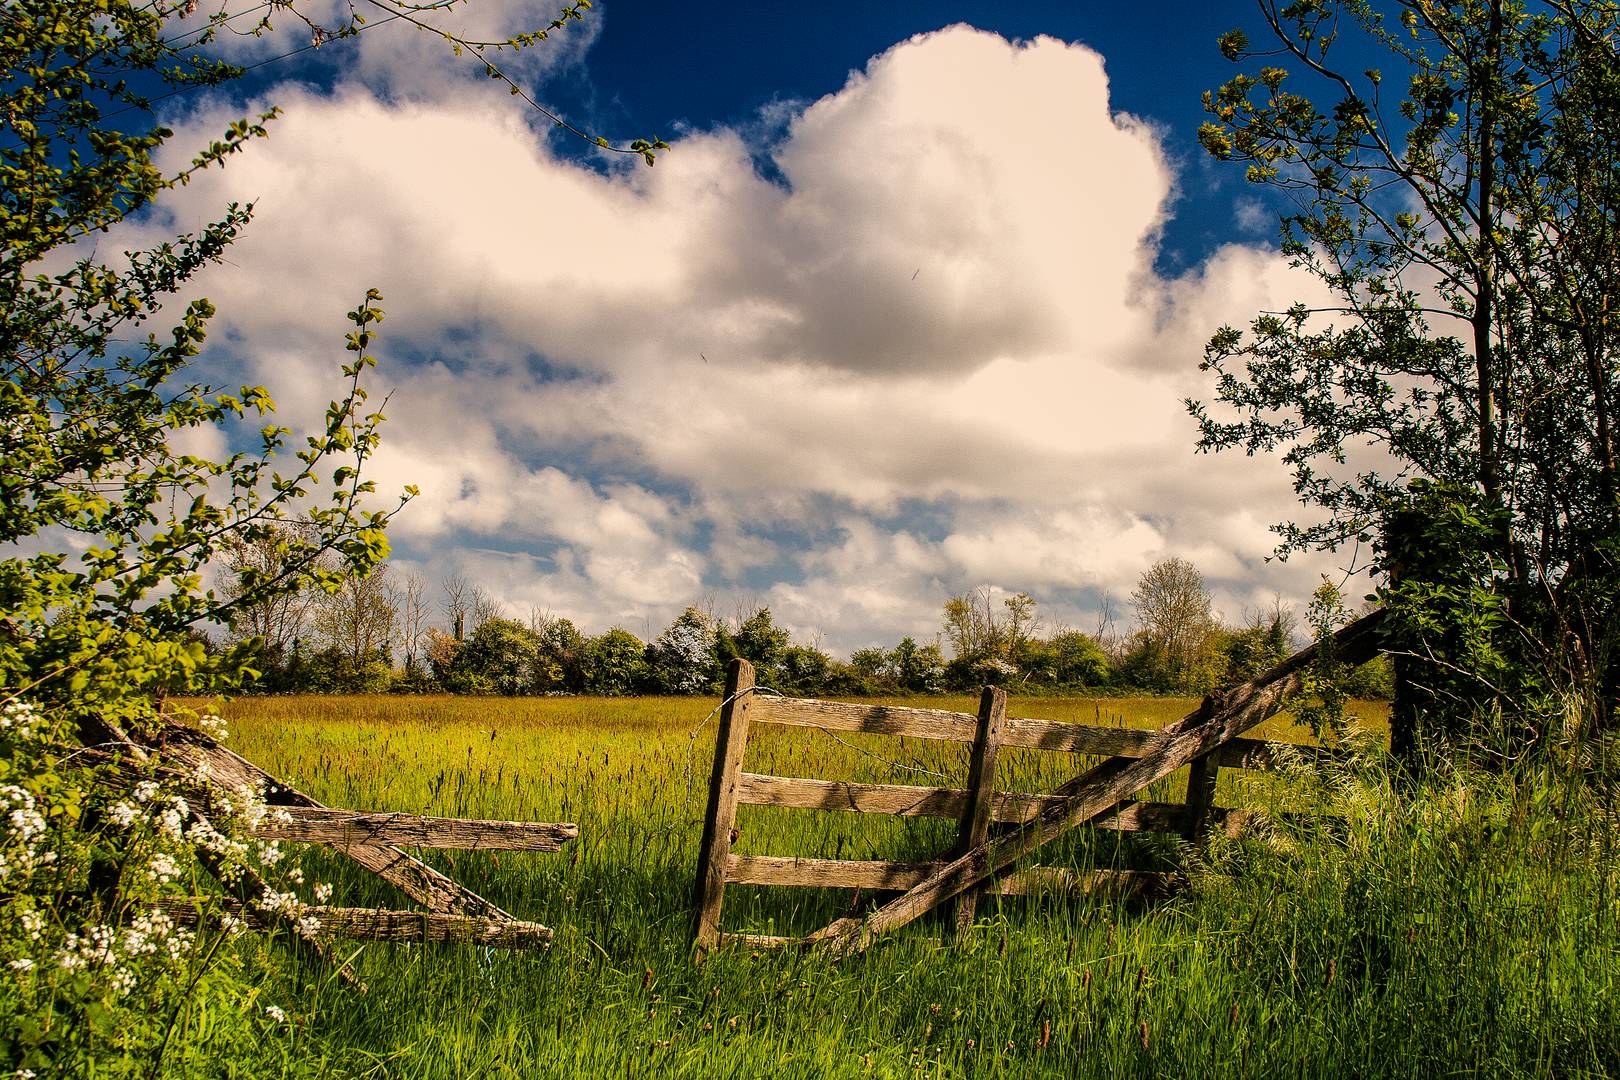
(1383, 941)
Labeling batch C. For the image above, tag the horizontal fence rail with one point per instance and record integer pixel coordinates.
(977, 806)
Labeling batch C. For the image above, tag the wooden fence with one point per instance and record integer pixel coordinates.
(207, 771)
(1207, 740)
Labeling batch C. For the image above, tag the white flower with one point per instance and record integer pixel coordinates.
(123, 813)
(32, 923)
(22, 963)
(275, 1013)
(171, 823)
(21, 717)
(162, 869)
(323, 892)
(146, 791)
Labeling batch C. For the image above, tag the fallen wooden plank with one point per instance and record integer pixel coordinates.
(344, 829)
(902, 800)
(379, 924)
(198, 755)
(1101, 787)
(249, 886)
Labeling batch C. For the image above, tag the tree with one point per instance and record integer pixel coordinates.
(560, 664)
(458, 599)
(916, 668)
(762, 643)
(1465, 224)
(682, 659)
(357, 617)
(1266, 639)
(1173, 612)
(278, 619)
(805, 670)
(615, 663)
(972, 627)
(109, 532)
(1068, 658)
(412, 628)
(498, 658)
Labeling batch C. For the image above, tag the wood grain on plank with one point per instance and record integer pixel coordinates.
(343, 829)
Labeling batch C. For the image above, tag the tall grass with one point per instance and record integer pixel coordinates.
(1467, 926)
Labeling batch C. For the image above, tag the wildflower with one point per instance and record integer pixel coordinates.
(146, 791)
(122, 813)
(276, 1013)
(22, 963)
(323, 892)
(162, 869)
(22, 718)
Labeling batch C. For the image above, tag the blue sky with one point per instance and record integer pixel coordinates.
(909, 306)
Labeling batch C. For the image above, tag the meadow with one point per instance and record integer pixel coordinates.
(1467, 925)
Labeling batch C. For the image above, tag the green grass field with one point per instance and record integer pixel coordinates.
(1464, 928)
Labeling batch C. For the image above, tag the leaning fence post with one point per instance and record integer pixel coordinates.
(721, 817)
(981, 794)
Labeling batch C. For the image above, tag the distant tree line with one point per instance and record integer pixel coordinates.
(388, 632)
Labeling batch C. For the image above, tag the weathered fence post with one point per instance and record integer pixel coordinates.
(1201, 776)
(981, 795)
(1200, 795)
(721, 818)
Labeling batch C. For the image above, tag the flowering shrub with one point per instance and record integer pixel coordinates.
(109, 941)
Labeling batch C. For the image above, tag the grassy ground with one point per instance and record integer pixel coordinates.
(1467, 927)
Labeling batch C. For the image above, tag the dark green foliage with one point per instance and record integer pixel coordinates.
(805, 671)
(615, 664)
(1469, 663)
(499, 658)
(1068, 659)
(560, 659)
(1460, 206)
(762, 643)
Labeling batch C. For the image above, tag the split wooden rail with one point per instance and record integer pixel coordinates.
(1208, 739)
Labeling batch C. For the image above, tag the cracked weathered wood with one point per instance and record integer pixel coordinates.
(1019, 731)
(731, 738)
(883, 874)
(377, 924)
(250, 888)
(981, 793)
(902, 800)
(344, 829)
(1100, 788)
(229, 770)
